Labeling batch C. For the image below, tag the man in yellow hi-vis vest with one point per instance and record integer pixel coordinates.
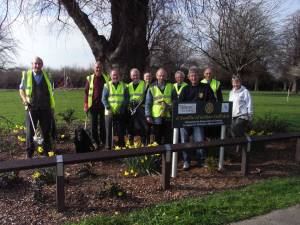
(37, 96)
(138, 124)
(215, 85)
(92, 102)
(115, 101)
(158, 106)
(179, 85)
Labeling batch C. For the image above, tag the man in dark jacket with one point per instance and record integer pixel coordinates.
(196, 91)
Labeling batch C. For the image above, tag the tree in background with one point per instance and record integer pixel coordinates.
(235, 33)
(289, 56)
(7, 43)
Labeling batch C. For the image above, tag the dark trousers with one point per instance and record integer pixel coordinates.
(163, 132)
(138, 125)
(117, 122)
(44, 117)
(239, 127)
(97, 123)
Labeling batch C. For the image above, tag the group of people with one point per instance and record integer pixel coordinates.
(142, 108)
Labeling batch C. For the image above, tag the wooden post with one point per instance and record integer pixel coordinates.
(297, 155)
(166, 167)
(60, 190)
(244, 164)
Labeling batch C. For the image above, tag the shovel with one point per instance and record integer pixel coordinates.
(36, 138)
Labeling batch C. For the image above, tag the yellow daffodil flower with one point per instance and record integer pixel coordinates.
(21, 139)
(117, 148)
(51, 153)
(131, 171)
(120, 193)
(40, 150)
(15, 131)
(126, 173)
(146, 157)
(142, 161)
(135, 174)
(62, 136)
(36, 175)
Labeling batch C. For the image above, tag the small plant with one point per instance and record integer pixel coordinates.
(68, 116)
(110, 190)
(9, 179)
(211, 163)
(270, 123)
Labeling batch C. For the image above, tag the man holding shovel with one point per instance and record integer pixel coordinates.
(37, 96)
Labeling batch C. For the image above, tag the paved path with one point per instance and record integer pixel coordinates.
(289, 216)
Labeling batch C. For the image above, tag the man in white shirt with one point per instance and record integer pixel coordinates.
(242, 110)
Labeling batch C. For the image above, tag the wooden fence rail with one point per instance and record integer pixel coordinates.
(166, 150)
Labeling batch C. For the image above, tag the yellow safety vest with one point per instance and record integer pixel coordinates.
(178, 91)
(138, 93)
(27, 76)
(90, 79)
(158, 109)
(214, 85)
(116, 96)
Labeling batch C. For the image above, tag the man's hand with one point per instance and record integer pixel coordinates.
(86, 107)
(149, 119)
(27, 105)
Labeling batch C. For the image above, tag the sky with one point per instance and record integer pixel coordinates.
(69, 48)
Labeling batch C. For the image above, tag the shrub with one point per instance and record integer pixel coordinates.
(270, 123)
(68, 116)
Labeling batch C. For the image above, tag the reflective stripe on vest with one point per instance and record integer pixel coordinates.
(116, 96)
(27, 76)
(178, 91)
(214, 85)
(90, 79)
(138, 93)
(158, 110)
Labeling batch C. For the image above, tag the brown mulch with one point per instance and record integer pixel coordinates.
(84, 198)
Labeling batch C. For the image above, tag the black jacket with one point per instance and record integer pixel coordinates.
(201, 92)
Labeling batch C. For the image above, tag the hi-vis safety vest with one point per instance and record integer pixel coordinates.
(27, 76)
(158, 109)
(178, 91)
(138, 93)
(116, 96)
(91, 87)
(214, 85)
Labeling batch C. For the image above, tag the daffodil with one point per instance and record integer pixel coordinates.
(36, 175)
(21, 139)
(126, 173)
(117, 213)
(120, 193)
(15, 131)
(62, 136)
(40, 150)
(17, 126)
(142, 161)
(117, 148)
(135, 174)
(131, 171)
(154, 144)
(146, 157)
(176, 217)
(51, 153)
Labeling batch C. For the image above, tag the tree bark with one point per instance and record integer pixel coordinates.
(127, 46)
(294, 85)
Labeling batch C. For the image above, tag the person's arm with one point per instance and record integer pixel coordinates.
(219, 94)
(104, 99)
(249, 105)
(148, 106)
(126, 100)
(174, 95)
(209, 94)
(86, 95)
(22, 91)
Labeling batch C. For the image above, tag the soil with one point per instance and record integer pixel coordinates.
(86, 196)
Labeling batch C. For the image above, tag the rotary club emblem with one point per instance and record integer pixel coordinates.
(209, 108)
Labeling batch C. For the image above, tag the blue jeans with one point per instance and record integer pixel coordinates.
(198, 136)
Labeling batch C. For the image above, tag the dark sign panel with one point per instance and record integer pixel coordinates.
(191, 114)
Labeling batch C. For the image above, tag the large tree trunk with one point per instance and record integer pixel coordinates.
(256, 84)
(294, 85)
(127, 46)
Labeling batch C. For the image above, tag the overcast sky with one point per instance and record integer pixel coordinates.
(69, 48)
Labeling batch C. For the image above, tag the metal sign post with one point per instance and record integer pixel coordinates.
(221, 154)
(175, 154)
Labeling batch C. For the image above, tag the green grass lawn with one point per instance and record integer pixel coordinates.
(216, 209)
(264, 102)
